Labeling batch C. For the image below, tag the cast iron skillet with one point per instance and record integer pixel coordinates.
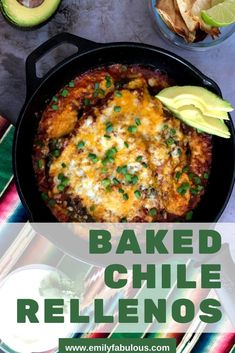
(91, 55)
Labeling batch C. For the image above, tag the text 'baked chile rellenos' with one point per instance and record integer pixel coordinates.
(107, 151)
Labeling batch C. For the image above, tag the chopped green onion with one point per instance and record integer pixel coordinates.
(185, 169)
(65, 181)
(107, 136)
(122, 170)
(172, 131)
(128, 177)
(170, 141)
(200, 188)
(139, 159)
(121, 191)
(132, 128)
(61, 176)
(189, 216)
(179, 152)
(40, 163)
(54, 107)
(61, 187)
(178, 175)
(197, 180)
(191, 175)
(112, 151)
(137, 121)
(64, 93)
(56, 153)
(117, 108)
(104, 170)
(124, 67)
(137, 194)
(80, 144)
(63, 165)
(183, 188)
(107, 160)
(109, 127)
(123, 220)
(106, 182)
(153, 212)
(126, 144)
(55, 99)
(206, 176)
(145, 165)
(116, 181)
(118, 94)
(98, 90)
(93, 157)
(194, 191)
(108, 81)
(92, 208)
(86, 101)
(71, 84)
(135, 179)
(125, 196)
(101, 91)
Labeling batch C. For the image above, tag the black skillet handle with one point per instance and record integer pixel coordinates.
(32, 80)
(212, 85)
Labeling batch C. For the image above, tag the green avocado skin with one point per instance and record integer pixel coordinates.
(28, 18)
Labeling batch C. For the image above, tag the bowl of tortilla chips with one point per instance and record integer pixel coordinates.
(180, 22)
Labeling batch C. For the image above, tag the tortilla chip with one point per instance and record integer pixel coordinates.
(185, 7)
(184, 18)
(173, 19)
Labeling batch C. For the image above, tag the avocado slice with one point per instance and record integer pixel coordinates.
(192, 116)
(218, 114)
(209, 103)
(23, 16)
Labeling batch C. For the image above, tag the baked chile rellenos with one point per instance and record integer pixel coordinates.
(106, 150)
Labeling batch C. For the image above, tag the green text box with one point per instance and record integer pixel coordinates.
(113, 345)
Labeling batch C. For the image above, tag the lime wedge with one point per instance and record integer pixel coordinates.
(220, 15)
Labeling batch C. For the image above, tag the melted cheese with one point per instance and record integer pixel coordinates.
(155, 171)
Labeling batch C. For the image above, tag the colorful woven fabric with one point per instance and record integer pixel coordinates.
(11, 209)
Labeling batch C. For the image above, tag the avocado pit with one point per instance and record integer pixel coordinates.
(31, 3)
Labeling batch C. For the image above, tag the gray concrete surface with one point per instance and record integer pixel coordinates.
(102, 21)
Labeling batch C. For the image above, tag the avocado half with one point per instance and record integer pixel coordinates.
(28, 17)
